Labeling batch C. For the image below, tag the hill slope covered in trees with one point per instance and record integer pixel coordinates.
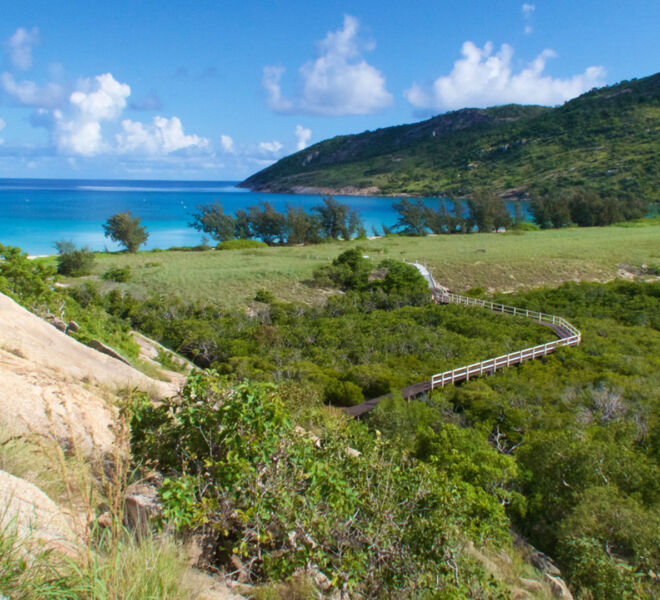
(608, 140)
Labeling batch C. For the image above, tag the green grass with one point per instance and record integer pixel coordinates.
(501, 262)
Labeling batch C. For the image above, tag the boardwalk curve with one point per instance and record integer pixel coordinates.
(567, 334)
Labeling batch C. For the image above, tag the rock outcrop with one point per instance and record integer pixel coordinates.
(56, 386)
(34, 518)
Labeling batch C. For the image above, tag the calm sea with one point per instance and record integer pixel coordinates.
(35, 213)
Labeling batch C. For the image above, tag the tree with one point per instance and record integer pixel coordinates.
(487, 211)
(550, 211)
(64, 246)
(267, 223)
(126, 229)
(412, 216)
(242, 225)
(337, 219)
(302, 228)
(211, 219)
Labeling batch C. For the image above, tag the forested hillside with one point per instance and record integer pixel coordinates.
(607, 140)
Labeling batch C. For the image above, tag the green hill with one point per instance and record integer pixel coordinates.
(608, 139)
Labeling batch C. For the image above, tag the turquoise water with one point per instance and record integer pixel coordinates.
(34, 213)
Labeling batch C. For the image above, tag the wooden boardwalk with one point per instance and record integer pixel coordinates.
(567, 334)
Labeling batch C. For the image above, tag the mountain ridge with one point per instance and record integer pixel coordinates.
(607, 139)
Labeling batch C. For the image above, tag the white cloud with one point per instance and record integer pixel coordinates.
(78, 130)
(528, 11)
(303, 136)
(271, 82)
(20, 47)
(227, 143)
(163, 136)
(270, 147)
(339, 82)
(28, 93)
(482, 78)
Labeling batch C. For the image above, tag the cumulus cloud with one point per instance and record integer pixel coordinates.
(78, 129)
(303, 136)
(227, 143)
(339, 82)
(20, 47)
(482, 78)
(528, 11)
(162, 136)
(270, 147)
(28, 93)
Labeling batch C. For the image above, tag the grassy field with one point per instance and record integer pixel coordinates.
(503, 262)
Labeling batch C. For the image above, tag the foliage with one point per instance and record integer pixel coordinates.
(240, 244)
(337, 220)
(28, 282)
(126, 229)
(333, 220)
(118, 274)
(375, 522)
(76, 262)
(65, 246)
(265, 296)
(211, 219)
(487, 212)
(412, 216)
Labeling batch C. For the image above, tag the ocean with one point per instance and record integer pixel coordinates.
(35, 213)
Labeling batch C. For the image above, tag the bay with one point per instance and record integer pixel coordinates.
(35, 213)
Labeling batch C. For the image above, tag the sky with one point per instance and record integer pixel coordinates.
(217, 90)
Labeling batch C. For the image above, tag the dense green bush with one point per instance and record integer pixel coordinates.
(278, 499)
(76, 263)
(118, 274)
(240, 244)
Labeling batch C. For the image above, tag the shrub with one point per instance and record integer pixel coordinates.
(240, 244)
(118, 274)
(278, 499)
(525, 226)
(342, 393)
(265, 296)
(75, 263)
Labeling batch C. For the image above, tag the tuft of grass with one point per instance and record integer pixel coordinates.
(151, 567)
(24, 575)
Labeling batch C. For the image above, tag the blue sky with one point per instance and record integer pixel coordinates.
(218, 90)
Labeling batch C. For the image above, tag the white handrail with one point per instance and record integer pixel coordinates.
(491, 364)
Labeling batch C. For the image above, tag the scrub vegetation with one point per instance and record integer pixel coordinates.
(258, 457)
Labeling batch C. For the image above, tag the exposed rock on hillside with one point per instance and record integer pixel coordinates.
(33, 516)
(53, 384)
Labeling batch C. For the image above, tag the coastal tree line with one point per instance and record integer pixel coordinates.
(483, 211)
